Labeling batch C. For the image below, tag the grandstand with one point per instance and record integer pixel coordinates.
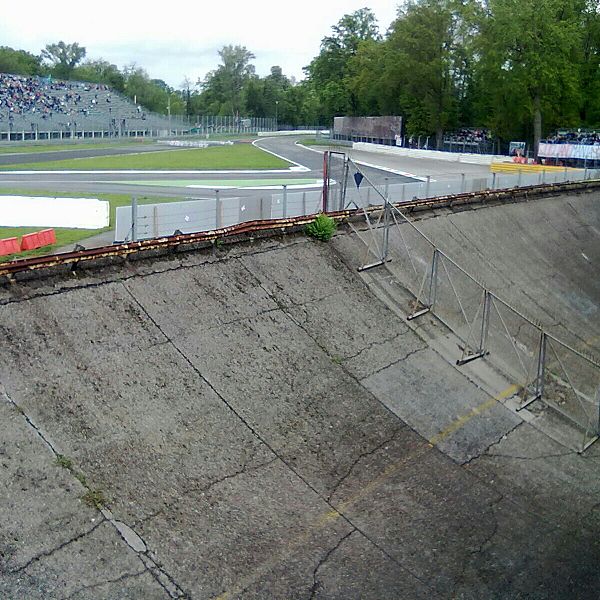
(475, 140)
(573, 148)
(34, 108)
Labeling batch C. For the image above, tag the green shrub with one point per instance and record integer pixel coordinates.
(322, 228)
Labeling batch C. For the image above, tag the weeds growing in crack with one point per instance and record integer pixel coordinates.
(94, 498)
(64, 461)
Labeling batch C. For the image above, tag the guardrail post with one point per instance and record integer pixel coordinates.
(134, 218)
(480, 352)
(538, 390)
(284, 201)
(386, 231)
(218, 211)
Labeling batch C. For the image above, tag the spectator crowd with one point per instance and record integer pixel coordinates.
(468, 136)
(21, 96)
(588, 138)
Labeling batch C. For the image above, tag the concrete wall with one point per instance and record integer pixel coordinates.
(477, 159)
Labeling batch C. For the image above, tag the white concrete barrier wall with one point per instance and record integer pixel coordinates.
(279, 133)
(477, 159)
(74, 213)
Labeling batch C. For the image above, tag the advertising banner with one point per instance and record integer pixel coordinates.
(567, 151)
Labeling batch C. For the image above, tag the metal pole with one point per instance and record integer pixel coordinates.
(218, 211)
(134, 218)
(285, 199)
(462, 183)
(387, 188)
(485, 321)
(520, 178)
(433, 280)
(303, 203)
(386, 231)
(427, 186)
(493, 181)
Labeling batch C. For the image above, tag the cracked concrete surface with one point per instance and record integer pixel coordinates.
(258, 423)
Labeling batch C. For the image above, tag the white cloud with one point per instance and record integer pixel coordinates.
(174, 40)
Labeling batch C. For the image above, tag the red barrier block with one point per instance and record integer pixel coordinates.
(31, 241)
(9, 246)
(47, 236)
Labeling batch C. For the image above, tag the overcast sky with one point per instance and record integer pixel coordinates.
(172, 40)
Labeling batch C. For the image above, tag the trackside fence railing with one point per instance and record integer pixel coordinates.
(542, 367)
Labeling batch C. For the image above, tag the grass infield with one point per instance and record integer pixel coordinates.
(238, 156)
(66, 147)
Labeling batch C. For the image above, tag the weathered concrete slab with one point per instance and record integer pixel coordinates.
(430, 395)
(240, 413)
(52, 545)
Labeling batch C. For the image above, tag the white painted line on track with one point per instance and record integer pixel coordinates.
(299, 167)
(394, 171)
(145, 172)
(372, 166)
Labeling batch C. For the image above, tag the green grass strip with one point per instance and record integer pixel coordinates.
(238, 156)
(66, 147)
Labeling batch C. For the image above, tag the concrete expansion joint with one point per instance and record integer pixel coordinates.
(316, 584)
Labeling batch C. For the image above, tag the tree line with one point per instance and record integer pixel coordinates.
(521, 68)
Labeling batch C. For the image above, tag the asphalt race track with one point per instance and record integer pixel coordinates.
(114, 182)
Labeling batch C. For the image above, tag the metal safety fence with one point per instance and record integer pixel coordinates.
(542, 367)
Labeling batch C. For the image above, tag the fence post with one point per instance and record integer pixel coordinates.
(433, 280)
(520, 178)
(218, 211)
(386, 231)
(566, 175)
(462, 183)
(134, 218)
(303, 203)
(538, 390)
(494, 181)
(427, 186)
(285, 199)
(387, 188)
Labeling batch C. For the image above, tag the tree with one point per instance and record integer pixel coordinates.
(530, 66)
(223, 87)
(329, 71)
(427, 63)
(19, 62)
(63, 58)
(100, 71)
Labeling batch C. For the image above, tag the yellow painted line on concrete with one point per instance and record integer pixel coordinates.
(464, 419)
(331, 516)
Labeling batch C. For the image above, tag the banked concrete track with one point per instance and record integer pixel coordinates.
(252, 422)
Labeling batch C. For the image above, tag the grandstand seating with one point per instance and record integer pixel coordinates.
(567, 136)
(40, 108)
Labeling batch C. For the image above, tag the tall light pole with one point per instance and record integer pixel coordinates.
(169, 111)
(276, 113)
